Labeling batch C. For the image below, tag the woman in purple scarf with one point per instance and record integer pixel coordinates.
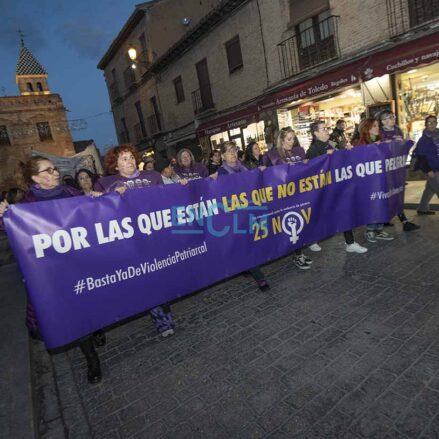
(231, 165)
(288, 151)
(427, 159)
(121, 165)
(40, 178)
(187, 168)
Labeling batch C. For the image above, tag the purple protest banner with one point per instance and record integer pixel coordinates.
(89, 263)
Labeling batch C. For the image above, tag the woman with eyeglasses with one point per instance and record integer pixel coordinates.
(232, 165)
(320, 146)
(40, 178)
(389, 131)
(121, 166)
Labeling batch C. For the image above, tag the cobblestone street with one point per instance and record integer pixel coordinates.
(348, 349)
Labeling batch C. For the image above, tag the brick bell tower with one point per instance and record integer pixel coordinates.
(30, 75)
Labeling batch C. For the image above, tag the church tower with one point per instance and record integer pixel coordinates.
(30, 75)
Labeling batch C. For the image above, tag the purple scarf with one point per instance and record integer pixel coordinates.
(434, 136)
(41, 193)
(237, 167)
(135, 174)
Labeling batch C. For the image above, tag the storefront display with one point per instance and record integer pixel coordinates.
(241, 136)
(418, 92)
(347, 105)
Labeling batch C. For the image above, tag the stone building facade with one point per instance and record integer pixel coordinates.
(35, 120)
(248, 63)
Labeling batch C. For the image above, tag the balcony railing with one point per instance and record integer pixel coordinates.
(154, 124)
(310, 47)
(406, 15)
(129, 77)
(202, 99)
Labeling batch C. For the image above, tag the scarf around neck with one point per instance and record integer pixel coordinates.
(135, 174)
(41, 193)
(237, 167)
(434, 136)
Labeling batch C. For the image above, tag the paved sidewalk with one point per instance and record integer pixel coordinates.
(16, 420)
(349, 349)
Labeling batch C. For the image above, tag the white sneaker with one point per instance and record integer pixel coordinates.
(315, 247)
(167, 333)
(355, 248)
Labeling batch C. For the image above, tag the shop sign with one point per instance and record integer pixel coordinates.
(239, 123)
(232, 121)
(332, 81)
(412, 54)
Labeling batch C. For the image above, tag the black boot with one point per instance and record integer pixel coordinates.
(99, 338)
(94, 374)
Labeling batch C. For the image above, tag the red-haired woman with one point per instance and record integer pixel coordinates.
(370, 133)
(121, 165)
(40, 179)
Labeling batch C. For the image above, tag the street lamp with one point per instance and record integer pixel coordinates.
(132, 53)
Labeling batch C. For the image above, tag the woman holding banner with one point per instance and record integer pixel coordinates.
(319, 146)
(121, 165)
(187, 168)
(40, 178)
(231, 165)
(288, 151)
(389, 131)
(370, 133)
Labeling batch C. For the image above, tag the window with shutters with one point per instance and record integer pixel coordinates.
(124, 134)
(179, 91)
(234, 54)
(44, 131)
(4, 136)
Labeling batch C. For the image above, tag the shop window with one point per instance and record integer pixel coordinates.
(234, 54)
(4, 136)
(179, 91)
(44, 131)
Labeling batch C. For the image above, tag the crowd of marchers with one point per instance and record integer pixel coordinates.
(38, 180)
